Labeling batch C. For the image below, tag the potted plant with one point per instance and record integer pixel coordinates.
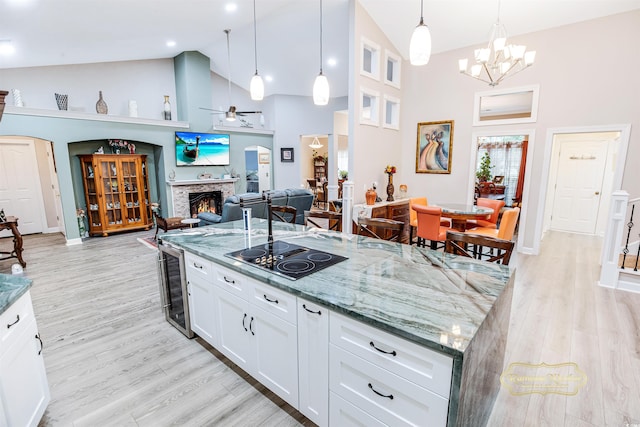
(484, 170)
(342, 174)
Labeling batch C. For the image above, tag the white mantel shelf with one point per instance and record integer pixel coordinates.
(201, 181)
(78, 115)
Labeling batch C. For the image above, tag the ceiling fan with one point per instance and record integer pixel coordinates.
(232, 112)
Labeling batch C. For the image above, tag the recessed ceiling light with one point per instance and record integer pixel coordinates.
(231, 7)
(171, 43)
(6, 47)
(332, 62)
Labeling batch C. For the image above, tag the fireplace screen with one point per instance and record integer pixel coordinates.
(209, 201)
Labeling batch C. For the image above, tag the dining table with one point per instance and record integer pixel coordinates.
(460, 213)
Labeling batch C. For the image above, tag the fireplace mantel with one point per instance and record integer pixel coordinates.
(180, 191)
(201, 181)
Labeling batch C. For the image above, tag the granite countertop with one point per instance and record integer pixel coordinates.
(435, 299)
(12, 288)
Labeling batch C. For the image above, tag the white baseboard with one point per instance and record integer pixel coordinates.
(73, 242)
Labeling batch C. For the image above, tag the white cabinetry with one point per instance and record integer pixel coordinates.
(395, 381)
(257, 330)
(200, 287)
(24, 391)
(313, 361)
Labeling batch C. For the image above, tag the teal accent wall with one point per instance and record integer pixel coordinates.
(193, 89)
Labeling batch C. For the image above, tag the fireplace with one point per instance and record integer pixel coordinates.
(180, 191)
(205, 201)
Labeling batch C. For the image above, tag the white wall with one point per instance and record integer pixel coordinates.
(587, 74)
(372, 148)
(295, 116)
(146, 82)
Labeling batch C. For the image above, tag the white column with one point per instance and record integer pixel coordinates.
(347, 206)
(612, 244)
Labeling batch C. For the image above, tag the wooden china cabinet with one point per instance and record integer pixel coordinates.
(116, 189)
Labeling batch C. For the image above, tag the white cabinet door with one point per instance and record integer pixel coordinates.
(202, 309)
(234, 320)
(313, 361)
(276, 346)
(23, 380)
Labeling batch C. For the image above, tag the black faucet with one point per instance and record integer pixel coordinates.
(266, 196)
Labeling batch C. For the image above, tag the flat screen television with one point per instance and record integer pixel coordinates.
(202, 149)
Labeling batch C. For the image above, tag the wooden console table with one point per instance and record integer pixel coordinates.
(12, 224)
(397, 210)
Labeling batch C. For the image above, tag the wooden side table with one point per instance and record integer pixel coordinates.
(12, 224)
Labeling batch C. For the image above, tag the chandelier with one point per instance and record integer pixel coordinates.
(499, 59)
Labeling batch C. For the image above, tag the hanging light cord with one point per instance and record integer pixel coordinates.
(421, 12)
(229, 63)
(320, 36)
(255, 37)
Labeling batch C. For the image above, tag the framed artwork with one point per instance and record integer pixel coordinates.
(263, 158)
(286, 155)
(433, 148)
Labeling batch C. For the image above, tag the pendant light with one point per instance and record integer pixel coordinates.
(231, 114)
(321, 85)
(257, 85)
(315, 144)
(420, 45)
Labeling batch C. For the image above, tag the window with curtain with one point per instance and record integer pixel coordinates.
(508, 157)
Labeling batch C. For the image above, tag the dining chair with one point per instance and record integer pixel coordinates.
(492, 221)
(381, 228)
(322, 195)
(507, 226)
(333, 220)
(284, 213)
(313, 186)
(172, 223)
(429, 227)
(413, 216)
(458, 243)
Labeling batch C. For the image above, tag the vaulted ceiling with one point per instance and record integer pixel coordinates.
(46, 32)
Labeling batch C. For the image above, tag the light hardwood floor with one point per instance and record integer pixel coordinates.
(112, 360)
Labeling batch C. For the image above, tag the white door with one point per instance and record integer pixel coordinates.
(578, 186)
(20, 192)
(55, 188)
(264, 169)
(234, 322)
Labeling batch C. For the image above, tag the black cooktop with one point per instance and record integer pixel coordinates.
(286, 259)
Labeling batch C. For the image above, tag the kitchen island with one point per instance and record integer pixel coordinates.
(24, 391)
(410, 336)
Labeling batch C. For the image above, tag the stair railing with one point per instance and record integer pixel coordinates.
(630, 226)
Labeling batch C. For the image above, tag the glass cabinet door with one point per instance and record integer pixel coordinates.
(93, 207)
(131, 192)
(113, 210)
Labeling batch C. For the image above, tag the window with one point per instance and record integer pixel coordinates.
(392, 71)
(507, 154)
(369, 101)
(370, 65)
(391, 113)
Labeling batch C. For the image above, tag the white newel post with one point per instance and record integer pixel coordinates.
(347, 206)
(613, 239)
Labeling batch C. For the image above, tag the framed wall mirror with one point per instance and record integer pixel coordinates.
(513, 105)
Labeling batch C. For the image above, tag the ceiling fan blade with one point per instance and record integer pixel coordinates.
(244, 113)
(211, 109)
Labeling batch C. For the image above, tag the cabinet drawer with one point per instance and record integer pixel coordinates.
(15, 320)
(344, 414)
(230, 281)
(427, 368)
(196, 266)
(389, 398)
(274, 301)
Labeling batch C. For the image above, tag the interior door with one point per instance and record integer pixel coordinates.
(20, 192)
(578, 186)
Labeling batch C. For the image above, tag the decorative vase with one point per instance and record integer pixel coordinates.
(167, 108)
(17, 98)
(390, 188)
(370, 196)
(62, 101)
(101, 106)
